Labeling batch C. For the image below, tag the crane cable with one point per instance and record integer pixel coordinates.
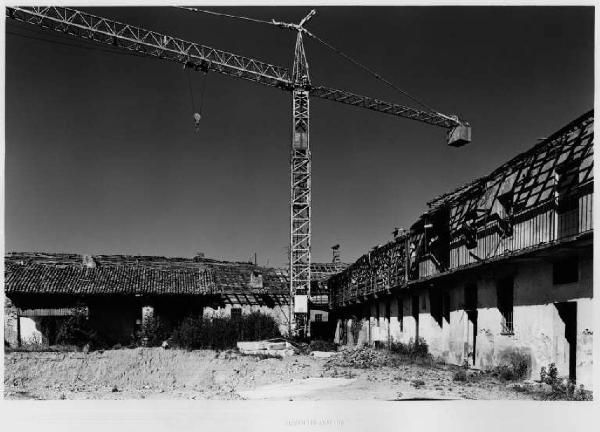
(192, 9)
(369, 71)
(197, 114)
(189, 79)
(331, 47)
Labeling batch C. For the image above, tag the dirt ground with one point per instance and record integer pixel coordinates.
(151, 373)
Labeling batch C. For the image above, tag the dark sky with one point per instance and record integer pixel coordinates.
(102, 156)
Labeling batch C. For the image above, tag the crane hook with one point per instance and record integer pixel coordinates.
(197, 118)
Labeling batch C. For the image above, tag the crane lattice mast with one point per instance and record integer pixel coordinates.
(300, 202)
(207, 59)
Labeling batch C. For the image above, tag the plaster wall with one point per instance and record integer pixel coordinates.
(395, 332)
(539, 331)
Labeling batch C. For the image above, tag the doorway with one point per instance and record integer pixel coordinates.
(568, 313)
(472, 335)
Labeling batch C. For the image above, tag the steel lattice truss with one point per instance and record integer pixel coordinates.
(382, 106)
(150, 43)
(300, 197)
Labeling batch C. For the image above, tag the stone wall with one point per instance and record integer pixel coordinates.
(10, 323)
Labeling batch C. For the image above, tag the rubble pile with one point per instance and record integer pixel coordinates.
(361, 358)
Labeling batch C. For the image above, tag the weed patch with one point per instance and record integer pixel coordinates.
(412, 352)
(460, 376)
(514, 367)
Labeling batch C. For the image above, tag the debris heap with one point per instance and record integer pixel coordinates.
(361, 358)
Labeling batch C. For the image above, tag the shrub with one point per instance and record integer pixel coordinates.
(256, 326)
(520, 364)
(514, 367)
(322, 345)
(505, 372)
(399, 348)
(549, 376)
(460, 375)
(76, 331)
(154, 332)
(223, 332)
(413, 350)
(418, 383)
(420, 348)
(581, 394)
(561, 388)
(189, 333)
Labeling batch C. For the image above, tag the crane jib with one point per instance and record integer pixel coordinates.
(125, 36)
(201, 57)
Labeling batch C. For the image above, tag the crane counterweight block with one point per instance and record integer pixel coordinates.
(459, 135)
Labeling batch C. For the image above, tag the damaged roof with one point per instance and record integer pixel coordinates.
(559, 166)
(64, 273)
(57, 273)
(320, 271)
(529, 179)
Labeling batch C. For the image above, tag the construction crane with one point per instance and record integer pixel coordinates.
(207, 59)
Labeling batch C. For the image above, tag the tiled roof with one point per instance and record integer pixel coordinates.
(118, 274)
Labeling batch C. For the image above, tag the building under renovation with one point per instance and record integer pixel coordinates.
(498, 266)
(118, 293)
